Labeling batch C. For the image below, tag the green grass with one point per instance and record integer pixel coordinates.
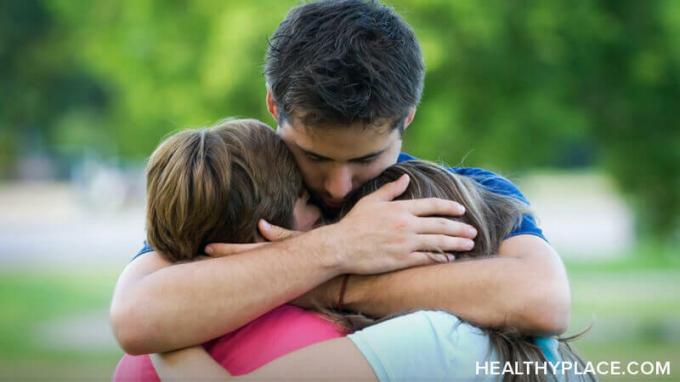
(647, 255)
(638, 350)
(631, 303)
(633, 307)
(31, 299)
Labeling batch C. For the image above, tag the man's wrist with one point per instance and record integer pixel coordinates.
(323, 296)
(330, 291)
(354, 298)
(344, 279)
(323, 246)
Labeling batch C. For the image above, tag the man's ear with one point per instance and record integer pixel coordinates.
(409, 117)
(271, 105)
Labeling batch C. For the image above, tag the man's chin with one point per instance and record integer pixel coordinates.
(330, 211)
(332, 206)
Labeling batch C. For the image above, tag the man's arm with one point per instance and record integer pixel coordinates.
(159, 307)
(525, 287)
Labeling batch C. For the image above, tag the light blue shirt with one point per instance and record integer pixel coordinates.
(432, 346)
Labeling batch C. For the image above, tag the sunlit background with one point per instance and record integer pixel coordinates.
(576, 101)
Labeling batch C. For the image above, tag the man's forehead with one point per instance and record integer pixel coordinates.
(340, 142)
(313, 121)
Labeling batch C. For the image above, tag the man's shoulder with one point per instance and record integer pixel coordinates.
(498, 184)
(489, 179)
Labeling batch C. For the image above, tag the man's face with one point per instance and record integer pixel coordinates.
(335, 160)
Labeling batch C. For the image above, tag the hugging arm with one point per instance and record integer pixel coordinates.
(158, 306)
(334, 360)
(525, 287)
(424, 345)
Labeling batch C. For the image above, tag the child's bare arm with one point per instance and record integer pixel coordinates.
(334, 360)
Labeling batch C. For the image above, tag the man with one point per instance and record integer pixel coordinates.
(343, 82)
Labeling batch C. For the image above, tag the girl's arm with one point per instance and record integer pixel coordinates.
(188, 364)
(334, 360)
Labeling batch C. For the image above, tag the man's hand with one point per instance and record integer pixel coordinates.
(270, 232)
(275, 233)
(381, 235)
(159, 307)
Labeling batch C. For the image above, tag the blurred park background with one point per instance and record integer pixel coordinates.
(576, 101)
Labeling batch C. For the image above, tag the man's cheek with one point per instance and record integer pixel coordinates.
(371, 172)
(314, 182)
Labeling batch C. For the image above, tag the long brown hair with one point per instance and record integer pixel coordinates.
(214, 184)
(494, 216)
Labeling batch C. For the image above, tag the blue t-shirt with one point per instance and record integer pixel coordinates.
(488, 179)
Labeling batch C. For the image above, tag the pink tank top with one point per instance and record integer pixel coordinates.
(281, 331)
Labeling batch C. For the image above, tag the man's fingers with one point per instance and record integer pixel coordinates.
(273, 232)
(227, 249)
(441, 257)
(444, 226)
(443, 243)
(390, 190)
(426, 258)
(434, 207)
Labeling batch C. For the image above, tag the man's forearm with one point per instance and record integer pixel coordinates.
(186, 304)
(158, 307)
(529, 292)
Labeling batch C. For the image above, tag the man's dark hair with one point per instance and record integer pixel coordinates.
(344, 61)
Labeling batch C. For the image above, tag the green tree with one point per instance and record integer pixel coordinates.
(40, 82)
(510, 85)
(523, 84)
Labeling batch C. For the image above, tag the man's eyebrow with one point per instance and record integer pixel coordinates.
(368, 156)
(361, 158)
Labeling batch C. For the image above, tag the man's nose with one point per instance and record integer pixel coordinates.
(339, 183)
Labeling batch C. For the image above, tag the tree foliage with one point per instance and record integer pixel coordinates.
(511, 85)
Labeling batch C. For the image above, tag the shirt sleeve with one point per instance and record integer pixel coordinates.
(146, 248)
(425, 346)
(503, 186)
